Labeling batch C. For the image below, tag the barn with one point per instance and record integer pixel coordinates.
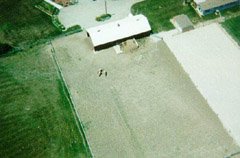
(205, 7)
(110, 34)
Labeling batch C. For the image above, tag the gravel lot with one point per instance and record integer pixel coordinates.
(147, 106)
(85, 12)
(212, 60)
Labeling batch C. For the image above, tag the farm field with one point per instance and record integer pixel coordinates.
(159, 13)
(233, 27)
(21, 23)
(36, 119)
(146, 106)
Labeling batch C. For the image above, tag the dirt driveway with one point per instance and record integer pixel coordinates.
(85, 12)
(146, 106)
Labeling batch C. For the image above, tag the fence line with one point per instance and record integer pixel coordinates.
(69, 97)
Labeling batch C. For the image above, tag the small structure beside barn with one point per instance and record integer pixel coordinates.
(205, 7)
(110, 34)
(53, 4)
(66, 3)
(182, 23)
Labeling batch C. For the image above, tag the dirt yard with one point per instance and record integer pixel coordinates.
(85, 12)
(146, 106)
(212, 60)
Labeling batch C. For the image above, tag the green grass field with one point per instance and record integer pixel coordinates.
(36, 119)
(233, 27)
(21, 23)
(159, 13)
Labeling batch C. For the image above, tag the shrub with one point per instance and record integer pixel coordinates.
(72, 30)
(103, 17)
(5, 48)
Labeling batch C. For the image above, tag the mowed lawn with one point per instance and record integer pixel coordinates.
(22, 23)
(36, 119)
(159, 13)
(233, 27)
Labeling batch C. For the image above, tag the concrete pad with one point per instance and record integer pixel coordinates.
(212, 60)
(85, 12)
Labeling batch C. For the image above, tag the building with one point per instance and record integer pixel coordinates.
(182, 23)
(66, 2)
(53, 4)
(205, 7)
(110, 34)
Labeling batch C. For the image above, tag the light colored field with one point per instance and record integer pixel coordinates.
(85, 12)
(146, 106)
(212, 61)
